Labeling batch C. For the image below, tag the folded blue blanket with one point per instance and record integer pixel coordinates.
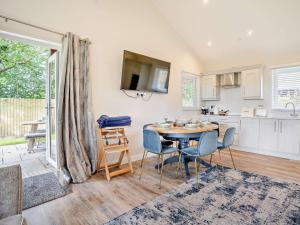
(106, 121)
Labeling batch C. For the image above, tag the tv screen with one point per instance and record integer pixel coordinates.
(142, 73)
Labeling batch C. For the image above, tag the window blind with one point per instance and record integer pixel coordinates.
(285, 87)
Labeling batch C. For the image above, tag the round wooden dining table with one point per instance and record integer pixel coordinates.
(183, 136)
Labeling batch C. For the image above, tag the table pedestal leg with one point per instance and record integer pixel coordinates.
(183, 143)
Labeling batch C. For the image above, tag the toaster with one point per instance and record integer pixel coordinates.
(247, 112)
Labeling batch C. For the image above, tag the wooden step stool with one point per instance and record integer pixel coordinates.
(117, 135)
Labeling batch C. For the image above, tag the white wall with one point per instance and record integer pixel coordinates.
(112, 26)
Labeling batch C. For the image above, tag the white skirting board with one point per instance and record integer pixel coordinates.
(274, 154)
(138, 157)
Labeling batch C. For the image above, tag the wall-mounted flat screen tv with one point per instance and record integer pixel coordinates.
(145, 74)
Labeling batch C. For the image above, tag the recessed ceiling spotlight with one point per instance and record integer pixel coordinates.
(209, 43)
(205, 2)
(249, 33)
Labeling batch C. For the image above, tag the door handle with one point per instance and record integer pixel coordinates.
(275, 125)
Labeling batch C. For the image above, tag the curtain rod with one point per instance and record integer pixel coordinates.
(6, 18)
(31, 25)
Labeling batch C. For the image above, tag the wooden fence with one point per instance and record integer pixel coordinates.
(14, 111)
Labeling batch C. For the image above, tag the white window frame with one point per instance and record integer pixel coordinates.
(274, 105)
(190, 76)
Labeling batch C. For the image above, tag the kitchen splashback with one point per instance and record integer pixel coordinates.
(232, 100)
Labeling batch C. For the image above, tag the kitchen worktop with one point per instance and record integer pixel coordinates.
(255, 117)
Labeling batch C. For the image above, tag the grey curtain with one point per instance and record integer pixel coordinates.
(76, 130)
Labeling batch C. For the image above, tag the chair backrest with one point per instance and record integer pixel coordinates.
(146, 125)
(152, 141)
(218, 129)
(229, 137)
(208, 143)
(10, 191)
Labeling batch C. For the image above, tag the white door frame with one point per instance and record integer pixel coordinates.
(53, 58)
(47, 44)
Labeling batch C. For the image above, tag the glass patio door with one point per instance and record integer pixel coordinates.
(51, 121)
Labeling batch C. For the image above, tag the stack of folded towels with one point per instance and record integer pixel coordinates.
(119, 121)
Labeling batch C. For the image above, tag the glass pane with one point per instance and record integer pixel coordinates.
(189, 92)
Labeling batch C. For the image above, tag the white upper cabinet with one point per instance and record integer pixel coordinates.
(268, 132)
(210, 87)
(252, 84)
(289, 136)
(248, 135)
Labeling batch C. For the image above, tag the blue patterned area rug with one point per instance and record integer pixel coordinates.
(240, 198)
(40, 189)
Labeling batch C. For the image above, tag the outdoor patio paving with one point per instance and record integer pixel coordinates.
(31, 163)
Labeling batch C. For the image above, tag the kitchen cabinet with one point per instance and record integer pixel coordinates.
(248, 134)
(289, 136)
(268, 134)
(210, 87)
(252, 84)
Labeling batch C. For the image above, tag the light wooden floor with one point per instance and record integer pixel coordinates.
(97, 201)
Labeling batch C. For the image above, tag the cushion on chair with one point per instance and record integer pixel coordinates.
(13, 220)
(167, 150)
(190, 151)
(166, 142)
(220, 145)
(35, 135)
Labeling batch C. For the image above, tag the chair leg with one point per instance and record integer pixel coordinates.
(199, 166)
(221, 164)
(231, 158)
(143, 158)
(106, 167)
(129, 161)
(162, 168)
(142, 165)
(179, 164)
(196, 167)
(158, 162)
(217, 167)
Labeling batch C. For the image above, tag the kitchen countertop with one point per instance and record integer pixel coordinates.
(256, 117)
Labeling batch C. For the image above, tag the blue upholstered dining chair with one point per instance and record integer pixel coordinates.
(207, 145)
(227, 142)
(163, 142)
(152, 143)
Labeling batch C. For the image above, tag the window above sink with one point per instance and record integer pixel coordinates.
(285, 87)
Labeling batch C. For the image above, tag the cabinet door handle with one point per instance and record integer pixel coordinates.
(244, 91)
(280, 126)
(275, 126)
(214, 92)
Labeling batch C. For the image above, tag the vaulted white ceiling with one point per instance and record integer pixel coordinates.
(275, 26)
